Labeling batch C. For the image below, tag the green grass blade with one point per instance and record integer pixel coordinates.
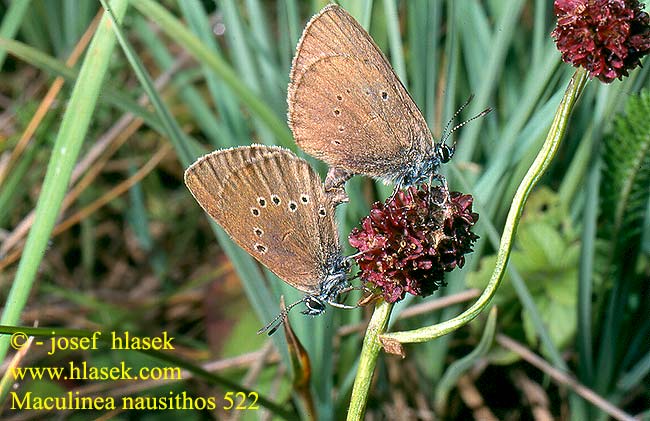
(172, 130)
(361, 10)
(395, 40)
(67, 145)
(11, 22)
(76, 17)
(503, 158)
(109, 94)
(189, 41)
(226, 103)
(288, 23)
(243, 263)
(540, 32)
(13, 184)
(244, 63)
(52, 9)
(501, 38)
(273, 78)
(584, 340)
(634, 377)
(33, 30)
(199, 110)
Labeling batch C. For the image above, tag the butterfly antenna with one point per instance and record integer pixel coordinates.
(445, 133)
(274, 324)
(459, 125)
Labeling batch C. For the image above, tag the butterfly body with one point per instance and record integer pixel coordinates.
(330, 288)
(423, 167)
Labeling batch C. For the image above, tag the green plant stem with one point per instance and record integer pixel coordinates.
(368, 361)
(541, 163)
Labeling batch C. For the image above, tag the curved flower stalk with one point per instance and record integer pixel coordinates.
(604, 39)
(539, 166)
(376, 338)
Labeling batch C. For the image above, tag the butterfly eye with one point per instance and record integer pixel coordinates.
(445, 153)
(314, 306)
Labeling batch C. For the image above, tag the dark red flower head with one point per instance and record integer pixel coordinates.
(606, 37)
(407, 243)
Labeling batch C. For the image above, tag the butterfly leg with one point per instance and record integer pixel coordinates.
(366, 299)
(363, 288)
(398, 187)
(440, 179)
(339, 305)
(335, 185)
(438, 199)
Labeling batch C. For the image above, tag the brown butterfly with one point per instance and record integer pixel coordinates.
(348, 108)
(274, 206)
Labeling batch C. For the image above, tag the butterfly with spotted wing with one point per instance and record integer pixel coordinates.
(274, 206)
(348, 108)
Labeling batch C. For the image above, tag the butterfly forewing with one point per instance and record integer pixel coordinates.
(346, 105)
(207, 174)
(272, 205)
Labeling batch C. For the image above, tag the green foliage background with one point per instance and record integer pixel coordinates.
(578, 279)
